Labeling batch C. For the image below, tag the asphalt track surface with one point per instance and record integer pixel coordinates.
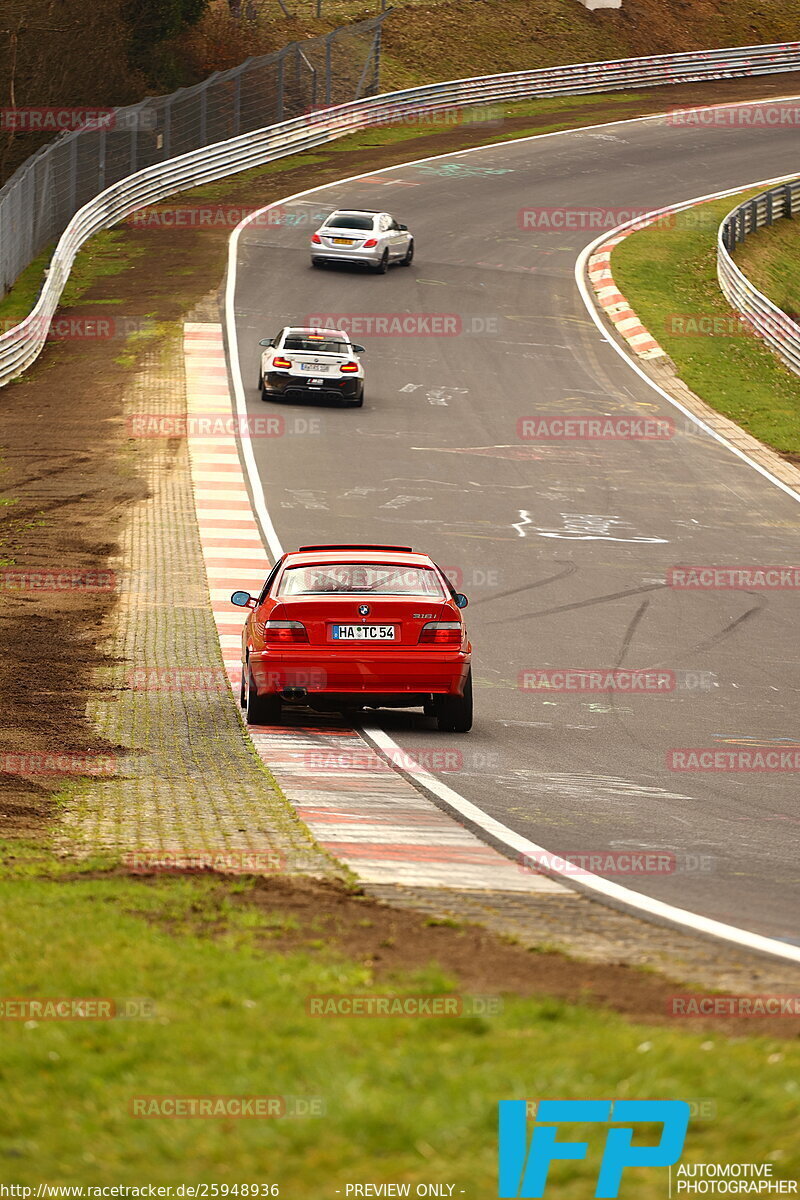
(562, 547)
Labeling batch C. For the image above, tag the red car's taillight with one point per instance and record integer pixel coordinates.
(350, 366)
(370, 242)
(285, 632)
(283, 363)
(316, 239)
(441, 633)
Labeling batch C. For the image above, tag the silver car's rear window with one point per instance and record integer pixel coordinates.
(385, 579)
(349, 221)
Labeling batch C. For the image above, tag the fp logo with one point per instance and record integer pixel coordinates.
(524, 1174)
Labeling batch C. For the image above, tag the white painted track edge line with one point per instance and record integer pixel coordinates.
(587, 882)
(495, 830)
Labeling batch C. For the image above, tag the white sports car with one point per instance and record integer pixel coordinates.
(302, 363)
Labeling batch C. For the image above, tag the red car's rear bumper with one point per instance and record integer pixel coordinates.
(390, 672)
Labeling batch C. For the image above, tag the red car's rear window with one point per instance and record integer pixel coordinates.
(337, 579)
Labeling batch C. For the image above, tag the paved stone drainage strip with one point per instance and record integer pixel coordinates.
(186, 787)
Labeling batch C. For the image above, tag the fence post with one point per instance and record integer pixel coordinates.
(73, 173)
(237, 105)
(203, 116)
(788, 196)
(101, 159)
(328, 66)
(167, 128)
(769, 217)
(376, 50)
(281, 58)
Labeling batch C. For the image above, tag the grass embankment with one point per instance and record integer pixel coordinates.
(771, 260)
(429, 40)
(668, 274)
(404, 1099)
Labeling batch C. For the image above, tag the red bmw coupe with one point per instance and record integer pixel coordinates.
(353, 627)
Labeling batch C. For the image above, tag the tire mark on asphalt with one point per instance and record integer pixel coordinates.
(549, 612)
(631, 630)
(728, 629)
(569, 569)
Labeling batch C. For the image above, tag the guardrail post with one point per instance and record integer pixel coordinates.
(204, 116)
(753, 208)
(788, 197)
(769, 220)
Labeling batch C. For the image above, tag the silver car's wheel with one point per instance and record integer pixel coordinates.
(409, 255)
(383, 265)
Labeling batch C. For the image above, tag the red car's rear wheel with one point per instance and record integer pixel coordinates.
(454, 713)
(260, 710)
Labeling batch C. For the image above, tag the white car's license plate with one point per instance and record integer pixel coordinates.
(342, 241)
(315, 368)
(363, 633)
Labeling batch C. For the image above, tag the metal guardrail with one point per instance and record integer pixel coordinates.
(769, 322)
(21, 345)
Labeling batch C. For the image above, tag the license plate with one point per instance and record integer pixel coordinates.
(315, 368)
(363, 633)
(342, 241)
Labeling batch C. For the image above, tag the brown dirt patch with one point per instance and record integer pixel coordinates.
(330, 920)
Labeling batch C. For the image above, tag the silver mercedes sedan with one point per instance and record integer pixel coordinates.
(361, 236)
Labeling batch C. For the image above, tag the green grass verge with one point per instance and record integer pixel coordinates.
(105, 255)
(771, 259)
(406, 1100)
(668, 274)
